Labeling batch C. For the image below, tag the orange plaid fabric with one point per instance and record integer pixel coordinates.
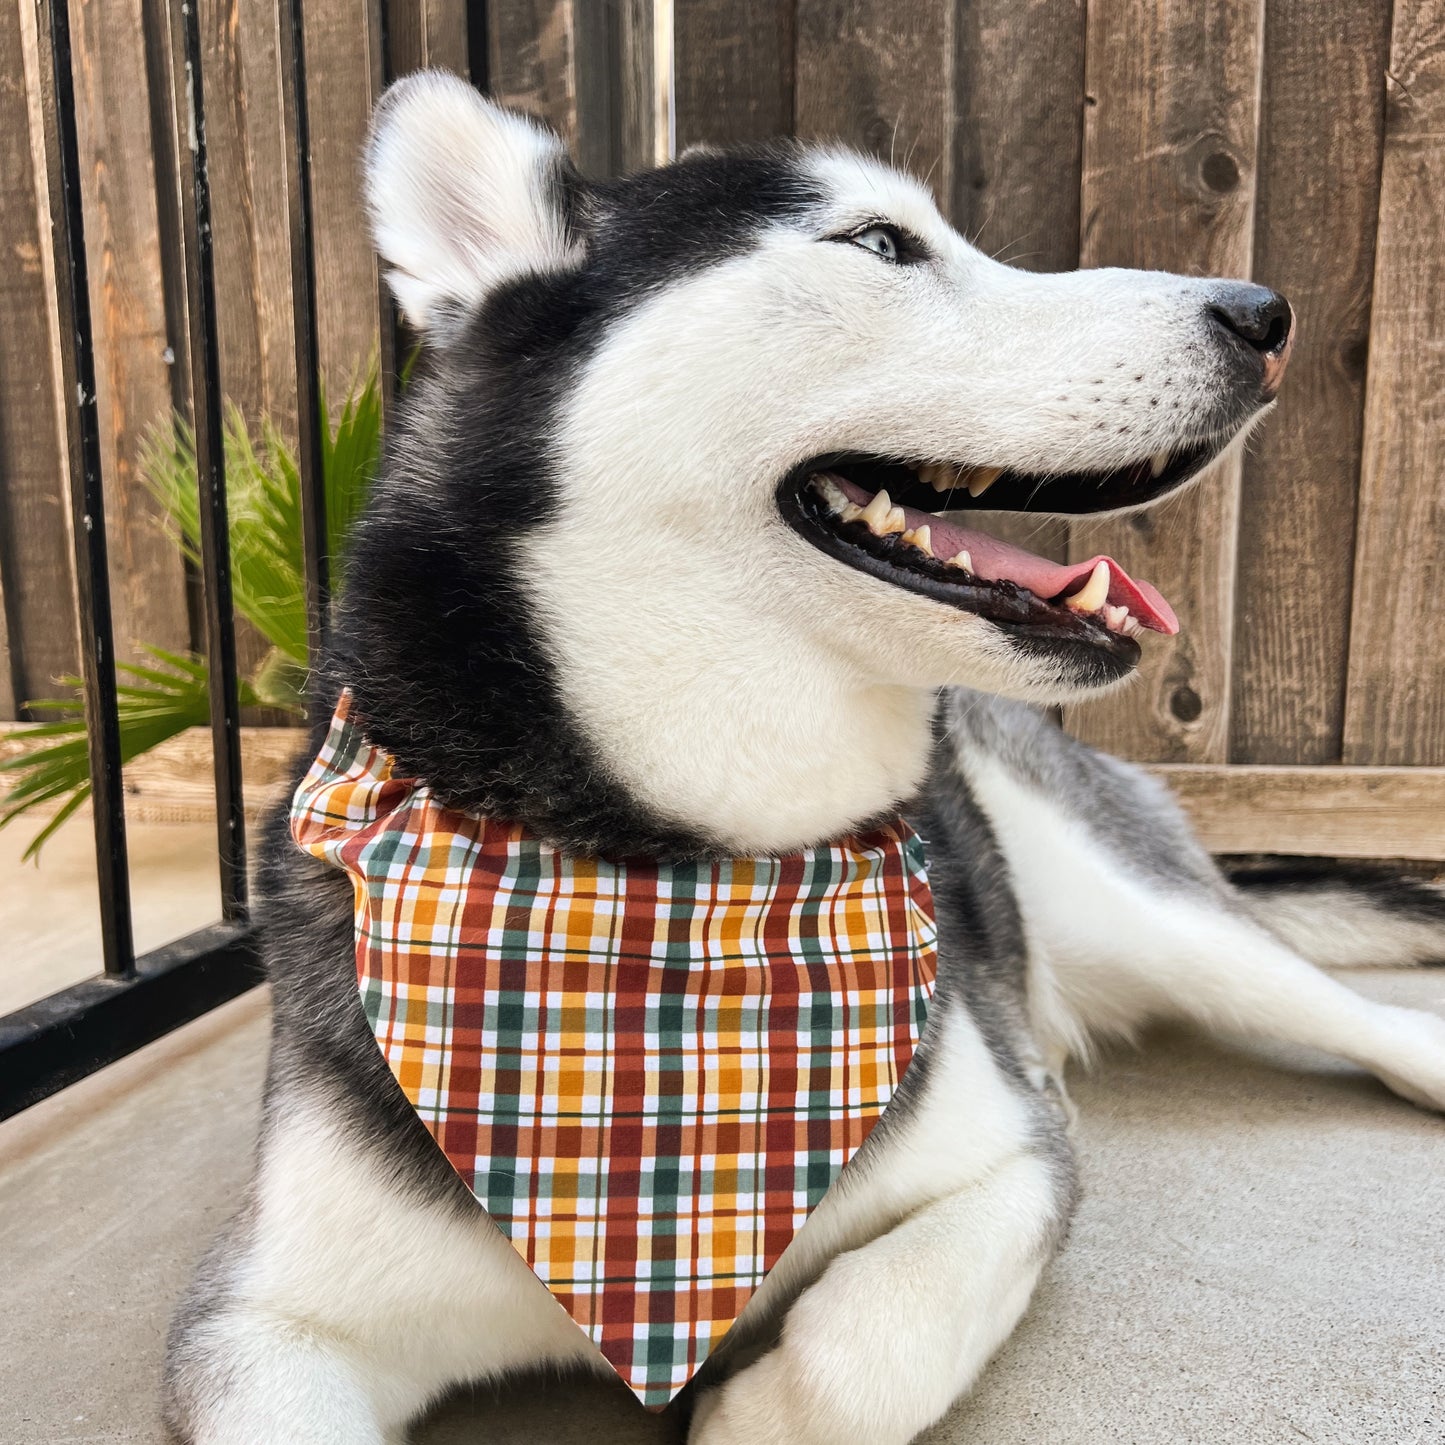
(648, 1073)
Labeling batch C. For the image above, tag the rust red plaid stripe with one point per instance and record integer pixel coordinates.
(647, 1073)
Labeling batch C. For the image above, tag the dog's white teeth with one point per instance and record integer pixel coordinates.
(1158, 462)
(881, 517)
(875, 514)
(1114, 617)
(922, 538)
(962, 560)
(851, 512)
(979, 479)
(833, 494)
(1094, 593)
(938, 476)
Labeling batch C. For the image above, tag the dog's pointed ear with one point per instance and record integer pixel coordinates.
(464, 196)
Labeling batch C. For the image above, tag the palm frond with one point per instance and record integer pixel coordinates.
(154, 704)
(159, 700)
(263, 492)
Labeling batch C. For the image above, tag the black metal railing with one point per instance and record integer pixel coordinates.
(49, 1044)
(133, 1000)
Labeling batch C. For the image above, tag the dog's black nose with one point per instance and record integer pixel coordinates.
(1262, 319)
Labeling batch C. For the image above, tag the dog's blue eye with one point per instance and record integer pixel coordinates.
(881, 240)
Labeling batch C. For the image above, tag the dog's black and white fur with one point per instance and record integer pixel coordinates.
(584, 597)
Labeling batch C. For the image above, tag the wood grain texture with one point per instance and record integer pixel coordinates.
(1323, 812)
(426, 34)
(532, 59)
(38, 628)
(1019, 134)
(733, 70)
(1318, 191)
(1017, 159)
(7, 664)
(879, 76)
(133, 355)
(248, 200)
(172, 783)
(1395, 707)
(640, 142)
(1170, 123)
(343, 77)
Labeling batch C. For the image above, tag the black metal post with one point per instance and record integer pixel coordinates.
(49, 1044)
(188, 89)
(87, 497)
(478, 56)
(314, 528)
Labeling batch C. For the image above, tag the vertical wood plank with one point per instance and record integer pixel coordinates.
(532, 60)
(1018, 144)
(640, 143)
(733, 76)
(35, 561)
(878, 76)
(128, 304)
(1017, 159)
(343, 77)
(1395, 708)
(428, 34)
(570, 63)
(7, 663)
(1314, 240)
(248, 197)
(1170, 127)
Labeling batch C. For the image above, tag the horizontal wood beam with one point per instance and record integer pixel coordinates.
(1325, 812)
(1328, 812)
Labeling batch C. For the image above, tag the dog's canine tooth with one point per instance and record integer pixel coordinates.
(979, 479)
(1157, 463)
(1094, 593)
(962, 560)
(922, 538)
(875, 514)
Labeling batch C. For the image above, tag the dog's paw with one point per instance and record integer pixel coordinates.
(1416, 1066)
(766, 1404)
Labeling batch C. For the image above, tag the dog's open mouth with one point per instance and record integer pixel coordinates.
(882, 517)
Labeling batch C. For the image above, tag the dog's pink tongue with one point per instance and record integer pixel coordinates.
(998, 561)
(994, 561)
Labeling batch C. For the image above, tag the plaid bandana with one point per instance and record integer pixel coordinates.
(647, 1073)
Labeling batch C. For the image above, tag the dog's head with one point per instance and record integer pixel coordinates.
(673, 487)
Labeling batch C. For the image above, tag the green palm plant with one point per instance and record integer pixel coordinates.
(170, 692)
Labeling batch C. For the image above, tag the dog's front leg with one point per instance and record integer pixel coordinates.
(892, 1333)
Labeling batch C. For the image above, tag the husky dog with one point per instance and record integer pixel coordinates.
(630, 577)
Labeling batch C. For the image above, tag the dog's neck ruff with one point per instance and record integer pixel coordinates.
(647, 1073)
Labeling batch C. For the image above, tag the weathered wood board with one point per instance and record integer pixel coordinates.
(1302, 142)
(1171, 111)
(1395, 707)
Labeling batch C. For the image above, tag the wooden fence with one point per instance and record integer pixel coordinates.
(1298, 141)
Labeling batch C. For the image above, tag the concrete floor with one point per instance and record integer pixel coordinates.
(1259, 1259)
(49, 909)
